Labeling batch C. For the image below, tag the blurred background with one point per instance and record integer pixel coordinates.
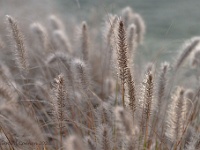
(168, 22)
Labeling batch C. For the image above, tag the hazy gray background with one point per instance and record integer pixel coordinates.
(169, 22)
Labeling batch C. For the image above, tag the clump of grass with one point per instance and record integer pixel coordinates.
(56, 23)
(59, 105)
(84, 39)
(83, 95)
(122, 57)
(140, 27)
(21, 52)
(62, 41)
(188, 47)
(41, 33)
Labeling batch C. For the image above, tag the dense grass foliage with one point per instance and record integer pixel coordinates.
(85, 86)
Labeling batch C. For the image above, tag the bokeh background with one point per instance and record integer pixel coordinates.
(169, 22)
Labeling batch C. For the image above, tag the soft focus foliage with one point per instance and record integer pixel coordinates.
(68, 83)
